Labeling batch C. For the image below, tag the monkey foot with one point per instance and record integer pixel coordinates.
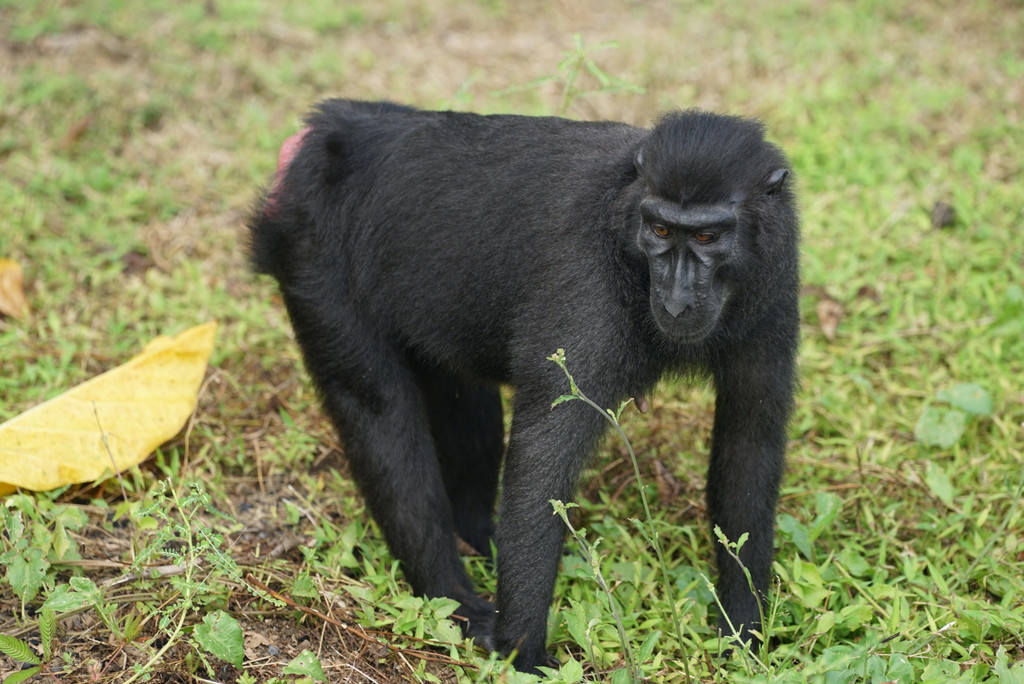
(476, 618)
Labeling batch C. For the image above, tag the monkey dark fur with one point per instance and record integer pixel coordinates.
(425, 258)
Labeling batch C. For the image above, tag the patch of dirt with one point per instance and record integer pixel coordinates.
(267, 549)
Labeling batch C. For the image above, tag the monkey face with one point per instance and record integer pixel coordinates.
(687, 248)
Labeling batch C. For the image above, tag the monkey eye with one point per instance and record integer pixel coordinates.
(660, 230)
(703, 237)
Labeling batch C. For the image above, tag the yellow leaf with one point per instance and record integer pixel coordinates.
(108, 423)
(12, 293)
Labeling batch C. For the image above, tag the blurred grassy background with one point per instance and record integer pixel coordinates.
(133, 137)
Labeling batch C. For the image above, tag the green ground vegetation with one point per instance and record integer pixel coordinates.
(133, 137)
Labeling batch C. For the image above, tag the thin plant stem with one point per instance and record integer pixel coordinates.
(651, 535)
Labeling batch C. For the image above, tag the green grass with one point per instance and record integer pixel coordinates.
(133, 138)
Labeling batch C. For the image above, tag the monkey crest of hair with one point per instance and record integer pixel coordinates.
(426, 258)
(697, 158)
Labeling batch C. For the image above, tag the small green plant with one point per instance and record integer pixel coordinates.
(647, 529)
(221, 635)
(804, 535)
(198, 560)
(35, 538)
(590, 553)
(575, 64)
(943, 424)
(733, 549)
(307, 666)
(82, 593)
(18, 650)
(192, 546)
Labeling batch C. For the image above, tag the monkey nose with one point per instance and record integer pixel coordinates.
(675, 306)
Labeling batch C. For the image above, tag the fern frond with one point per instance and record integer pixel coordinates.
(17, 649)
(47, 630)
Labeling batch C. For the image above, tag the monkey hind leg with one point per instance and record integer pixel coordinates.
(468, 431)
(374, 399)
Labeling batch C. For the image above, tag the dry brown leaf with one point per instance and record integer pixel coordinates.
(830, 313)
(668, 486)
(108, 423)
(12, 289)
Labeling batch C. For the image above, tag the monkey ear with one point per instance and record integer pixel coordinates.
(776, 181)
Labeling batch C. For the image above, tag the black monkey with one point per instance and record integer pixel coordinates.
(426, 257)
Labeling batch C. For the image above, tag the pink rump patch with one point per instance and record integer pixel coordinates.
(288, 150)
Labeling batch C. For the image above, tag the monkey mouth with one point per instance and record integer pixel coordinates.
(686, 328)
